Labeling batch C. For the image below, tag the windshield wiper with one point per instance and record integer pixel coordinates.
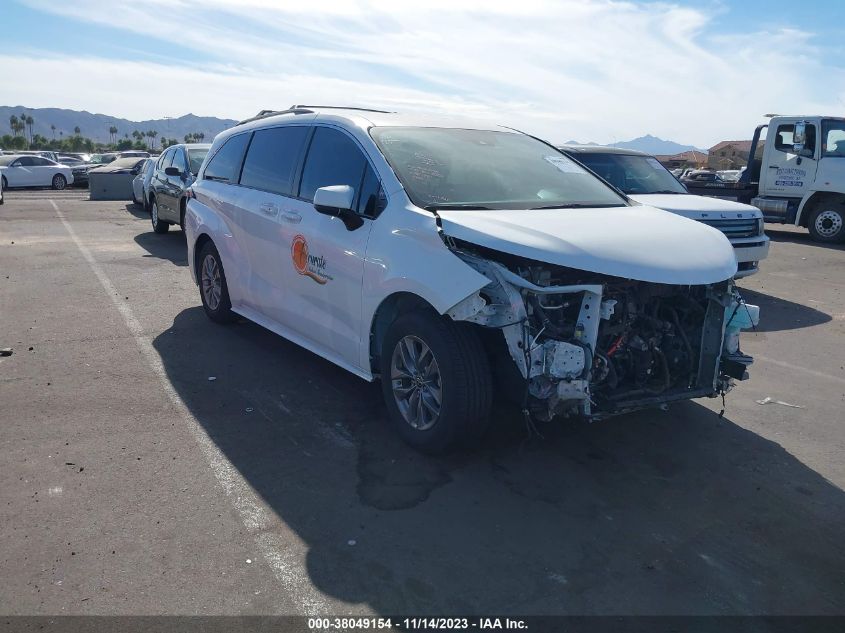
(447, 206)
(577, 205)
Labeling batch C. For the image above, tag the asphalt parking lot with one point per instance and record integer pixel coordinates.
(132, 483)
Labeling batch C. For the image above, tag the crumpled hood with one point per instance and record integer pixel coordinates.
(698, 207)
(636, 242)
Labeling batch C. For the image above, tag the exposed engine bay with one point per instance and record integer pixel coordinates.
(595, 345)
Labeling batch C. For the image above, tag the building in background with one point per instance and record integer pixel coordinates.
(728, 155)
(689, 159)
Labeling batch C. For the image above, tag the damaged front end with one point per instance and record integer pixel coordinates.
(595, 345)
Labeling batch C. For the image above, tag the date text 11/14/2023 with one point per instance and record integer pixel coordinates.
(415, 623)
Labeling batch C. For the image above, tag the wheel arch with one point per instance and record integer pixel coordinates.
(388, 311)
(199, 244)
(813, 201)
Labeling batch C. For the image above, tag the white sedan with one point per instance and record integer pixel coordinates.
(34, 171)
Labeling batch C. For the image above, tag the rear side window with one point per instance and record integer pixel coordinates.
(333, 159)
(226, 163)
(272, 158)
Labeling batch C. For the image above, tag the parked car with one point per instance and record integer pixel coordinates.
(698, 176)
(141, 183)
(121, 166)
(70, 161)
(729, 175)
(175, 171)
(133, 153)
(648, 182)
(34, 171)
(448, 257)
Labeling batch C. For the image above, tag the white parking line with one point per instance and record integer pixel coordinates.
(811, 372)
(282, 549)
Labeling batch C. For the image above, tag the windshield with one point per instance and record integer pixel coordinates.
(632, 174)
(6, 160)
(451, 168)
(102, 159)
(195, 157)
(833, 138)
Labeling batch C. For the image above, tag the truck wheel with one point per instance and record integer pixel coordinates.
(436, 381)
(827, 224)
(159, 225)
(214, 292)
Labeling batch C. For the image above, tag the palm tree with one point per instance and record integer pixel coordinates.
(200, 136)
(77, 131)
(30, 121)
(13, 123)
(152, 134)
(53, 128)
(113, 134)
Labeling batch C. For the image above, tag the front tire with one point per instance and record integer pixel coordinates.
(436, 381)
(159, 225)
(59, 182)
(827, 223)
(214, 291)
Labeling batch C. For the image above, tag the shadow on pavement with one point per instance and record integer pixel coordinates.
(659, 512)
(799, 237)
(777, 315)
(137, 210)
(170, 246)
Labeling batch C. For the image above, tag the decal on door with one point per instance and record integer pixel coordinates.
(790, 177)
(306, 264)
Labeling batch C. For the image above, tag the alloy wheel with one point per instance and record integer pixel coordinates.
(416, 382)
(212, 284)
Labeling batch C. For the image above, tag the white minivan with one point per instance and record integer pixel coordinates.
(452, 259)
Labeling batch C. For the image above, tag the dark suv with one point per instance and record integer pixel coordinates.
(175, 171)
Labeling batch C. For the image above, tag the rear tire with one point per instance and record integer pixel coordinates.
(159, 225)
(827, 223)
(214, 292)
(450, 376)
(59, 182)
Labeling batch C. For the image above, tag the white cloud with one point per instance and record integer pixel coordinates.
(589, 70)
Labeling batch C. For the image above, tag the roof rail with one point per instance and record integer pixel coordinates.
(326, 107)
(265, 113)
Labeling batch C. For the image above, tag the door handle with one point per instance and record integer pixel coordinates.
(269, 209)
(291, 216)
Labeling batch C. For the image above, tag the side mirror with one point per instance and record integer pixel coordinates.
(336, 201)
(799, 136)
(172, 171)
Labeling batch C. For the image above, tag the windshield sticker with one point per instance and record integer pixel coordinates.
(304, 263)
(564, 164)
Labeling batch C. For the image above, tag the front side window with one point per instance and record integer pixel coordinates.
(272, 158)
(833, 134)
(195, 157)
(179, 160)
(333, 159)
(25, 161)
(371, 201)
(632, 174)
(442, 168)
(166, 159)
(785, 136)
(225, 165)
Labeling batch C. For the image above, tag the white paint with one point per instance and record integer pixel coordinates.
(285, 553)
(637, 242)
(811, 372)
(54, 491)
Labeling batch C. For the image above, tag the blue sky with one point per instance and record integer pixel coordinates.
(695, 72)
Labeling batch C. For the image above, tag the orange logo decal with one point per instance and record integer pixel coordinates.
(305, 264)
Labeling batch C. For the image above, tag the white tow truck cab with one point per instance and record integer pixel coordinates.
(799, 177)
(451, 260)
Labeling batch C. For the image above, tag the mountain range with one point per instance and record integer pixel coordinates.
(96, 126)
(650, 145)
